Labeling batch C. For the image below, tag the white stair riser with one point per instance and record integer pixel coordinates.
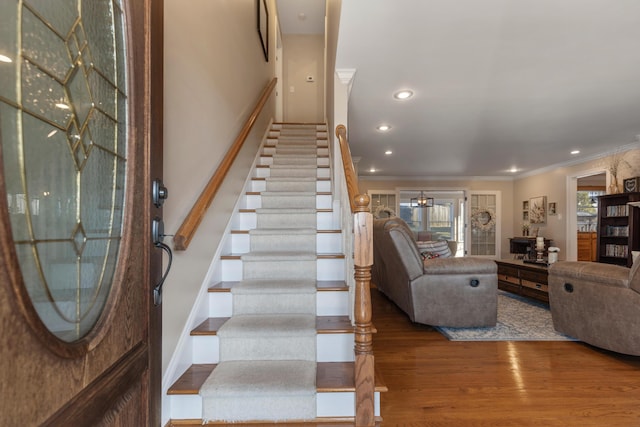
(206, 349)
(328, 269)
(330, 348)
(319, 150)
(328, 405)
(247, 221)
(186, 406)
(254, 201)
(322, 172)
(326, 243)
(268, 160)
(332, 303)
(261, 185)
(335, 348)
(328, 303)
(341, 404)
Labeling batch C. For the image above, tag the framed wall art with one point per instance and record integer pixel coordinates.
(263, 27)
(538, 210)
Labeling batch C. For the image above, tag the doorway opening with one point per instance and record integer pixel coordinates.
(441, 220)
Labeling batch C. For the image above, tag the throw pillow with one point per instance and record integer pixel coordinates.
(429, 255)
(439, 247)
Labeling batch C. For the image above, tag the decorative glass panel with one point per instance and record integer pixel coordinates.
(483, 224)
(63, 128)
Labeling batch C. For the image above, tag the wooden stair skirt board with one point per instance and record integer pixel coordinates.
(281, 296)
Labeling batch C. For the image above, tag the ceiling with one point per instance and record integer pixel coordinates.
(498, 84)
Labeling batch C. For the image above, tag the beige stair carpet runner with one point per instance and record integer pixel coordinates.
(267, 366)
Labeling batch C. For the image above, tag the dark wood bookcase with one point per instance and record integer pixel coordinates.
(618, 228)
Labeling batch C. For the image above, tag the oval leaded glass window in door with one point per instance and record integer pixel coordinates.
(63, 121)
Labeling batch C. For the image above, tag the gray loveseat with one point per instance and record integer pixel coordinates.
(597, 303)
(454, 292)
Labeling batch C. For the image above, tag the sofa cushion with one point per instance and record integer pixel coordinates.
(434, 249)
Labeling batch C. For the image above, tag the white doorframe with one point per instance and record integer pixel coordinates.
(572, 211)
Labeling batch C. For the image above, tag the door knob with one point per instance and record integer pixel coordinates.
(159, 193)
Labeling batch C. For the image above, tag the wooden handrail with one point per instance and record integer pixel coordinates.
(190, 224)
(362, 260)
(347, 163)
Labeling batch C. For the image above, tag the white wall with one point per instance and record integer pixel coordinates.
(303, 57)
(214, 71)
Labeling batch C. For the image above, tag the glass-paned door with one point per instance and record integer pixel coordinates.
(63, 109)
(383, 203)
(484, 224)
(442, 220)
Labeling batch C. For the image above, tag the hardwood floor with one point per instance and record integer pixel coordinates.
(434, 382)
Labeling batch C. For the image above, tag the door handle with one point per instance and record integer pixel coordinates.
(157, 236)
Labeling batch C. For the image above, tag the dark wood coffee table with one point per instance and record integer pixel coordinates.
(518, 277)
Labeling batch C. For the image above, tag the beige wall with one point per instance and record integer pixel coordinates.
(504, 187)
(303, 56)
(214, 71)
(555, 185)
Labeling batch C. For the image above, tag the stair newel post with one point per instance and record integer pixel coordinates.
(364, 363)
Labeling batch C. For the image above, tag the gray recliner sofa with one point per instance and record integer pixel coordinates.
(597, 303)
(454, 292)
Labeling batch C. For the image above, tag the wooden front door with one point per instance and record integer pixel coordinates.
(80, 144)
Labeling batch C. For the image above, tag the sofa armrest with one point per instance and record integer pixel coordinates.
(466, 265)
(595, 272)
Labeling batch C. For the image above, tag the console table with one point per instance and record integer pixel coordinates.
(518, 277)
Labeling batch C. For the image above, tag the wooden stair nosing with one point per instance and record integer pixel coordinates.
(258, 193)
(321, 285)
(319, 256)
(317, 166)
(335, 231)
(243, 210)
(262, 178)
(324, 325)
(331, 377)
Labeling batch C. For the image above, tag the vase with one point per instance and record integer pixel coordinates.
(614, 187)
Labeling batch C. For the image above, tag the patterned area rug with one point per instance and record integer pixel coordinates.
(519, 319)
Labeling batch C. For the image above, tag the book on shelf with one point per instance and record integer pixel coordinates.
(618, 210)
(617, 251)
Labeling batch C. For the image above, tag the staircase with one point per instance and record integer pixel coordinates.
(278, 343)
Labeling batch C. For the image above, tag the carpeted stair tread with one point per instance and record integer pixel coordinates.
(330, 377)
(275, 286)
(321, 285)
(256, 325)
(280, 377)
(324, 325)
(288, 179)
(279, 256)
(279, 211)
(288, 193)
(260, 390)
(293, 166)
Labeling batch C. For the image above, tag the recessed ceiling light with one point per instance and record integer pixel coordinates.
(4, 58)
(372, 170)
(513, 169)
(383, 128)
(574, 152)
(403, 94)
(388, 152)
